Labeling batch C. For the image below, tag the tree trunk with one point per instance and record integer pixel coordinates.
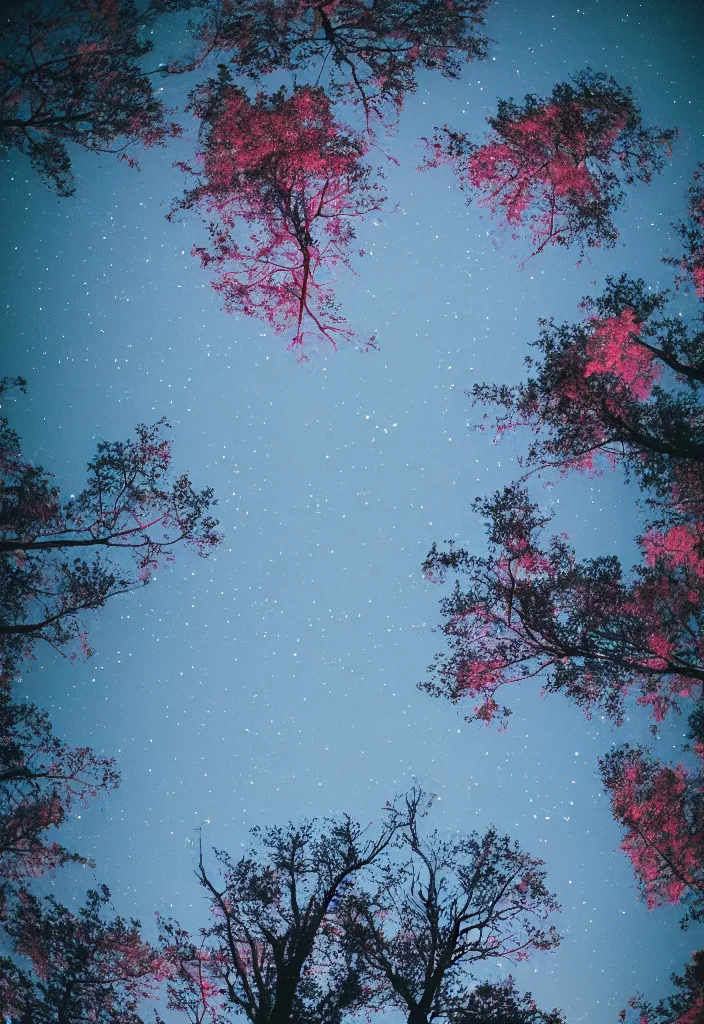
(417, 1016)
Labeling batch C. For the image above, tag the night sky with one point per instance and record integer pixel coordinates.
(277, 679)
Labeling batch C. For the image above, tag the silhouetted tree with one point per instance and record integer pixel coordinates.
(661, 808)
(500, 1003)
(449, 904)
(83, 967)
(269, 953)
(558, 165)
(281, 186)
(623, 387)
(684, 1007)
(58, 558)
(530, 609)
(691, 231)
(368, 53)
(41, 779)
(71, 72)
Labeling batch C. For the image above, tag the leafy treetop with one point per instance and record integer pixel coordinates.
(418, 926)
(83, 967)
(661, 808)
(684, 1007)
(267, 953)
(500, 1003)
(623, 387)
(41, 780)
(558, 165)
(531, 609)
(71, 73)
(60, 557)
(280, 184)
(369, 52)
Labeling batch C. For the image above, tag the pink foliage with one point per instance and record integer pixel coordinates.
(693, 1015)
(698, 277)
(680, 545)
(285, 172)
(75, 75)
(529, 172)
(530, 175)
(660, 808)
(91, 968)
(532, 610)
(557, 166)
(614, 348)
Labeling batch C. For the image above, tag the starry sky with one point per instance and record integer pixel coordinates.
(277, 679)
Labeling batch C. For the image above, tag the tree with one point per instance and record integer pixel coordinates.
(623, 388)
(661, 808)
(58, 558)
(691, 232)
(71, 73)
(84, 968)
(369, 52)
(41, 780)
(450, 904)
(684, 1007)
(530, 608)
(558, 165)
(282, 183)
(500, 1003)
(269, 953)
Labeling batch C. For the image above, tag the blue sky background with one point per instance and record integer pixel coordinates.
(276, 680)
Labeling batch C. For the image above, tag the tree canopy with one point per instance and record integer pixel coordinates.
(71, 73)
(280, 184)
(557, 165)
(83, 967)
(58, 558)
(315, 922)
(41, 779)
(366, 54)
(661, 808)
(530, 609)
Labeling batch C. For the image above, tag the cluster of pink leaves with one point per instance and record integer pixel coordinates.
(497, 643)
(660, 807)
(698, 277)
(612, 351)
(535, 172)
(534, 169)
(557, 166)
(680, 545)
(665, 605)
(594, 402)
(614, 348)
(693, 1015)
(289, 174)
